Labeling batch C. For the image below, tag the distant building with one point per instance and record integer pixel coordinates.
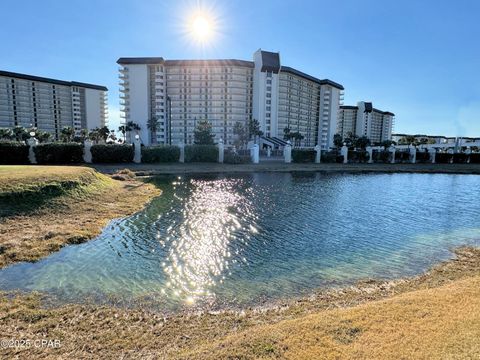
(179, 93)
(365, 120)
(50, 104)
(432, 139)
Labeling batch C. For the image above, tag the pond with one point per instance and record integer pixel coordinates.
(242, 240)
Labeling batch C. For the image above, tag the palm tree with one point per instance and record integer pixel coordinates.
(67, 134)
(152, 125)
(104, 132)
(132, 126)
(20, 133)
(6, 134)
(123, 130)
(43, 136)
(95, 135)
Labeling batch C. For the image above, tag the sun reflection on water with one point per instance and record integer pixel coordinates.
(199, 245)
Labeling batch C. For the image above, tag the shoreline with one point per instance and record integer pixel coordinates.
(278, 166)
(340, 322)
(190, 332)
(41, 223)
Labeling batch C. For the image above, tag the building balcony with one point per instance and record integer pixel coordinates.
(124, 90)
(123, 76)
(123, 83)
(123, 70)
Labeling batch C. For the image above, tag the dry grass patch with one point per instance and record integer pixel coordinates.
(46, 207)
(440, 323)
(374, 320)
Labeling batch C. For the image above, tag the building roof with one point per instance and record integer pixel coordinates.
(51, 81)
(270, 61)
(210, 62)
(293, 71)
(160, 60)
(373, 109)
(383, 112)
(140, 60)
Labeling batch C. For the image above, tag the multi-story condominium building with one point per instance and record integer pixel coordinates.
(365, 120)
(179, 93)
(50, 104)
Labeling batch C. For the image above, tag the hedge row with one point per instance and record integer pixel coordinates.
(160, 153)
(59, 153)
(201, 153)
(423, 157)
(12, 153)
(303, 155)
(230, 157)
(475, 158)
(112, 153)
(381, 156)
(402, 156)
(331, 157)
(358, 156)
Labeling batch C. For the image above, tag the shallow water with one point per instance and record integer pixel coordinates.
(244, 239)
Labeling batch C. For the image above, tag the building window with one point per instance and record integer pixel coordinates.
(269, 81)
(269, 88)
(269, 95)
(269, 102)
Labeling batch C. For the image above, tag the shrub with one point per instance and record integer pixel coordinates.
(423, 157)
(12, 152)
(112, 153)
(475, 158)
(160, 153)
(230, 157)
(460, 158)
(331, 157)
(402, 156)
(59, 153)
(443, 158)
(358, 156)
(381, 156)
(303, 156)
(201, 153)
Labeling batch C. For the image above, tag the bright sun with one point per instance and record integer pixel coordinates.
(201, 28)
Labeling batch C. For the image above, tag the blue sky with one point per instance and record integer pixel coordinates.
(418, 59)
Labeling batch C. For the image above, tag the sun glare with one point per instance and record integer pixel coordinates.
(201, 28)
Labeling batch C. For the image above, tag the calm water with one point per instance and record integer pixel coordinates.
(241, 240)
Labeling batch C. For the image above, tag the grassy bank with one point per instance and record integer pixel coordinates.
(43, 208)
(433, 316)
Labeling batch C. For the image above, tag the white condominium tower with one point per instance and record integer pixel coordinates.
(50, 104)
(365, 120)
(179, 93)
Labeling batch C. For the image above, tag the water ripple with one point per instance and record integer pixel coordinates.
(246, 238)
